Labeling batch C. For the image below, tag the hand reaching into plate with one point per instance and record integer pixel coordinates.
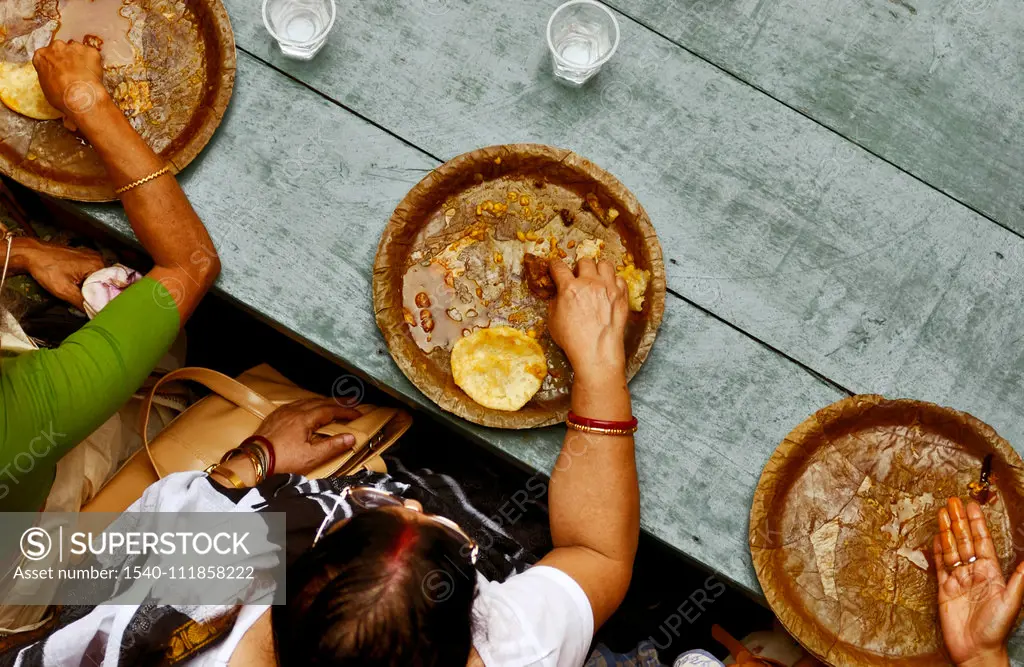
(977, 606)
(588, 316)
(71, 76)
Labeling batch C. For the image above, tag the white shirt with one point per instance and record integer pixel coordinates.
(538, 618)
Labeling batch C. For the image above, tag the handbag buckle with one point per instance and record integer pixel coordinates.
(375, 440)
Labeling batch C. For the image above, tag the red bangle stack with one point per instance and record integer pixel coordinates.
(601, 426)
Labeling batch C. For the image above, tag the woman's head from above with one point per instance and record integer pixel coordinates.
(391, 586)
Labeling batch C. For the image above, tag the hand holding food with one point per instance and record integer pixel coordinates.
(587, 318)
(977, 606)
(70, 76)
(61, 270)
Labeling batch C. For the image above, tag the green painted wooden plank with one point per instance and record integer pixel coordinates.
(935, 87)
(771, 221)
(296, 192)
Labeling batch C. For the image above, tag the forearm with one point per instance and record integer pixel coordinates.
(594, 498)
(159, 212)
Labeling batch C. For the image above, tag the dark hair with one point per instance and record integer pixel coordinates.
(381, 591)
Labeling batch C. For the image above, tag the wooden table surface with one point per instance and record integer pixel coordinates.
(836, 190)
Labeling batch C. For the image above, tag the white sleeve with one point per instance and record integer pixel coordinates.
(540, 617)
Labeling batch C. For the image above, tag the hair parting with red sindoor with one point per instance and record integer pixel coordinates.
(384, 590)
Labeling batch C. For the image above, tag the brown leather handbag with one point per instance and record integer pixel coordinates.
(200, 436)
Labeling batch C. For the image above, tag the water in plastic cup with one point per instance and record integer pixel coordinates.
(299, 26)
(582, 36)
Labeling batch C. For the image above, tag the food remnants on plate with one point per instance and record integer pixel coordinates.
(168, 65)
(844, 515)
(484, 262)
(468, 250)
(100, 24)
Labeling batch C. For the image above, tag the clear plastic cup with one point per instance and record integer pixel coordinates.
(300, 27)
(582, 36)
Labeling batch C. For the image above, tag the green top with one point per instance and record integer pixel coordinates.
(50, 400)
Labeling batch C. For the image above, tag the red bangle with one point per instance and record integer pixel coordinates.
(602, 425)
(271, 457)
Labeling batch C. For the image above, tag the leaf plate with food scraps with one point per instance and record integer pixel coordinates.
(844, 515)
(169, 66)
(463, 266)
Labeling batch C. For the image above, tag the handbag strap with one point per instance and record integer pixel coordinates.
(226, 387)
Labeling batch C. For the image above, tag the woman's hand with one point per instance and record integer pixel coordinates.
(291, 429)
(61, 270)
(71, 76)
(977, 606)
(587, 318)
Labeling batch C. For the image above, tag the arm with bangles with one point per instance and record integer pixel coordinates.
(291, 432)
(73, 389)
(594, 497)
(160, 214)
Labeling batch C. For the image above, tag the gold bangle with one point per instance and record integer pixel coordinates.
(228, 474)
(257, 463)
(601, 431)
(142, 181)
(259, 453)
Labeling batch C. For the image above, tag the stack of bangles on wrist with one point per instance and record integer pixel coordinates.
(260, 453)
(601, 426)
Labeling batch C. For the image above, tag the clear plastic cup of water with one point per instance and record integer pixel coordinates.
(582, 36)
(299, 26)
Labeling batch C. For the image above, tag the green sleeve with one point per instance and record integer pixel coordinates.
(51, 400)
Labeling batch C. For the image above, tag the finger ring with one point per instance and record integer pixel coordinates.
(956, 565)
(971, 559)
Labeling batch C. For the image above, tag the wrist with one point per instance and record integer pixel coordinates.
(993, 658)
(601, 372)
(25, 253)
(93, 115)
(606, 355)
(600, 392)
(242, 467)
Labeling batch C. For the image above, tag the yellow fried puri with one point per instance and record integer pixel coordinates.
(500, 368)
(636, 282)
(21, 93)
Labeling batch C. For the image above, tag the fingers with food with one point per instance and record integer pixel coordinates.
(70, 75)
(587, 318)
